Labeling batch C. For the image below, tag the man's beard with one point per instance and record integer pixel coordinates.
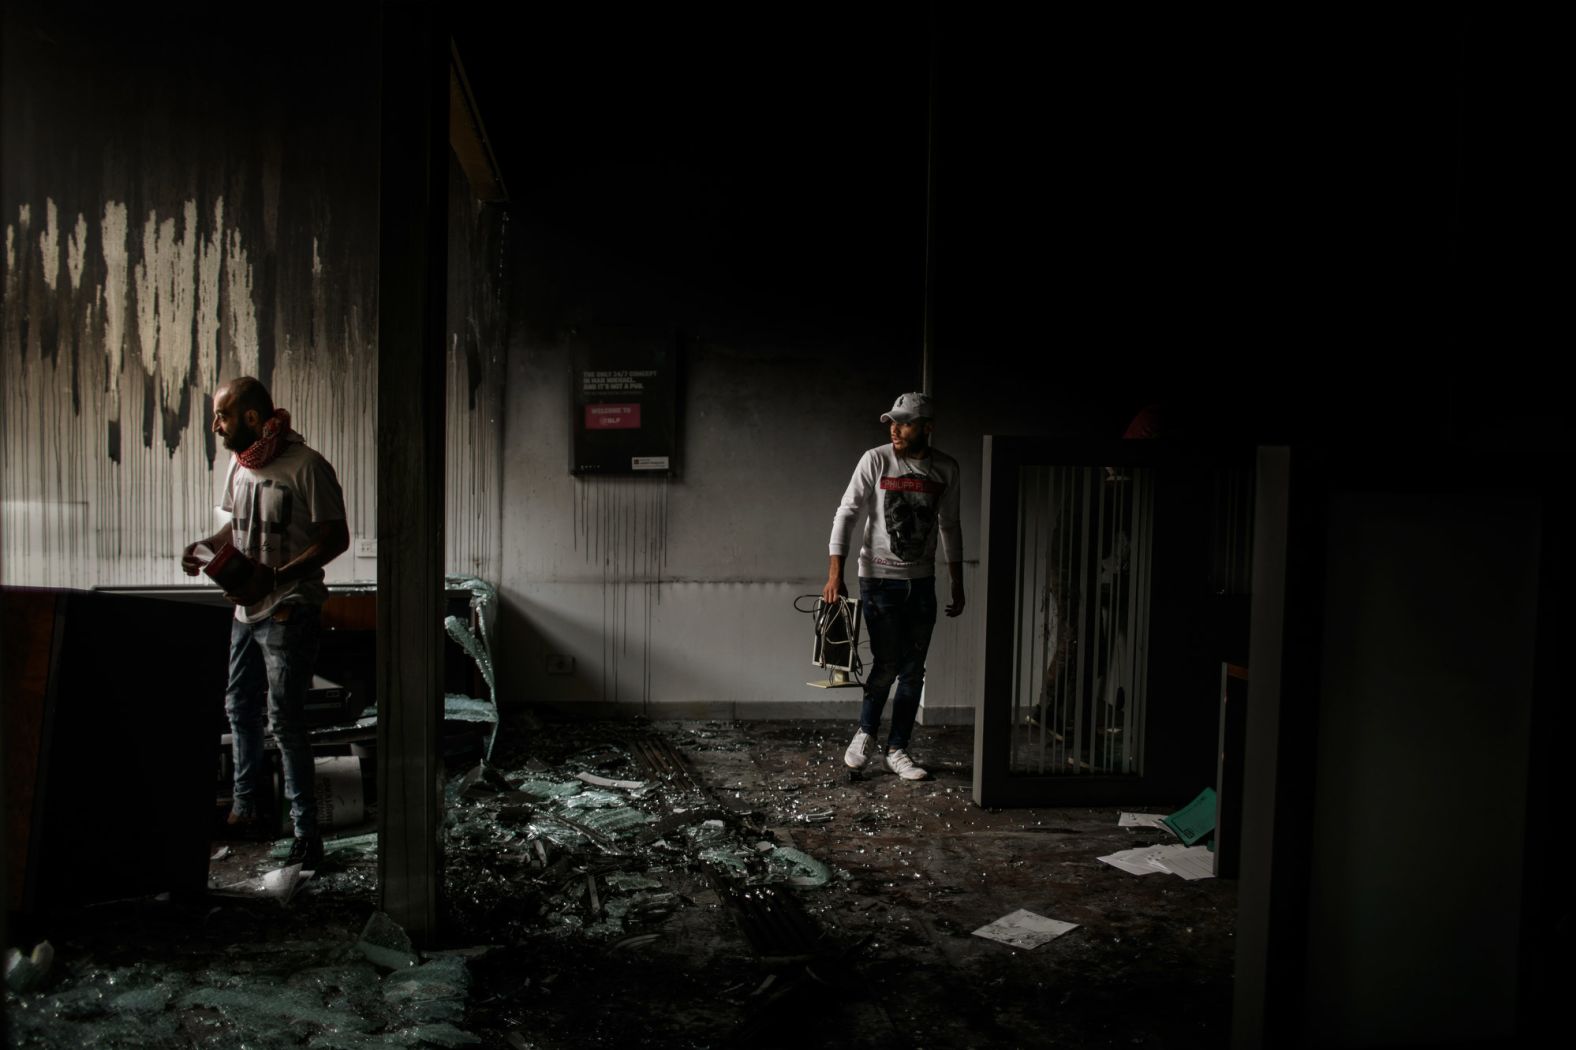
(241, 438)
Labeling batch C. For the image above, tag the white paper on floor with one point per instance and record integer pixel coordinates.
(1024, 929)
(1136, 861)
(281, 884)
(1188, 862)
(1141, 820)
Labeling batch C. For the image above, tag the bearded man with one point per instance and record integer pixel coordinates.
(909, 490)
(287, 516)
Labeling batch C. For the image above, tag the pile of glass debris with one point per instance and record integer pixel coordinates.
(594, 848)
(372, 991)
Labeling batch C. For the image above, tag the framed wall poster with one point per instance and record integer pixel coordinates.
(624, 404)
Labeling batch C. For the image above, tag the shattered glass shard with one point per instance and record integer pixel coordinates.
(144, 1000)
(457, 707)
(386, 944)
(544, 790)
(616, 822)
(797, 867)
(268, 1006)
(435, 1035)
(441, 978)
(629, 881)
(593, 798)
(728, 861)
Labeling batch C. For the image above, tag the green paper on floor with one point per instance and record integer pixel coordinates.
(1194, 820)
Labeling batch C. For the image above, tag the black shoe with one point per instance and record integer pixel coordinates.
(307, 852)
(250, 827)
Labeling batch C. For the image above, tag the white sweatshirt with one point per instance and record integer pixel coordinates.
(915, 502)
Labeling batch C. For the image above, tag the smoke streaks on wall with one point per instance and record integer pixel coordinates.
(109, 468)
(170, 226)
(478, 327)
(621, 525)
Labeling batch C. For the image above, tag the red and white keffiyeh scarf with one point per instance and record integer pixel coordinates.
(276, 433)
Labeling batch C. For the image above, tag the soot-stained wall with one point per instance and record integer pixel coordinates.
(1274, 244)
(185, 202)
(756, 199)
(755, 194)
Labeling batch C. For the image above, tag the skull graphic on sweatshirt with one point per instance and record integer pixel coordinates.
(909, 514)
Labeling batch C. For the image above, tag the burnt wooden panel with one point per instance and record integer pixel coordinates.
(115, 742)
(27, 631)
(412, 282)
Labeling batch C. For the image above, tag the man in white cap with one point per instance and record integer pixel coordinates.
(911, 491)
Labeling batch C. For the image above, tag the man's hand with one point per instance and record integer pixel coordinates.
(191, 565)
(834, 588)
(955, 606)
(256, 589)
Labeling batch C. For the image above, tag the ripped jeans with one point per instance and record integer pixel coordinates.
(899, 616)
(271, 665)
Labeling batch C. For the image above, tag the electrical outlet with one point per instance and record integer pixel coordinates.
(558, 663)
(366, 548)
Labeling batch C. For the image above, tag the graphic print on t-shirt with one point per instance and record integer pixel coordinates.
(262, 520)
(908, 507)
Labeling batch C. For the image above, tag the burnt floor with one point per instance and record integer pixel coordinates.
(685, 927)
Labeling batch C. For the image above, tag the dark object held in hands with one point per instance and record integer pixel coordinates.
(230, 569)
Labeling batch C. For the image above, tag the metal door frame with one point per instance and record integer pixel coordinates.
(1168, 774)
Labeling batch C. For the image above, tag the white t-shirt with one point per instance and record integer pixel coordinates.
(912, 503)
(272, 509)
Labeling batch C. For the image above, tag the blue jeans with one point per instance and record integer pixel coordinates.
(270, 670)
(899, 616)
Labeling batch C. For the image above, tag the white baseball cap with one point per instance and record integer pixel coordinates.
(909, 407)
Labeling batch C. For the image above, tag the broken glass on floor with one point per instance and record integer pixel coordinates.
(269, 995)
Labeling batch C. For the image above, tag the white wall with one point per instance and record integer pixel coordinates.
(676, 596)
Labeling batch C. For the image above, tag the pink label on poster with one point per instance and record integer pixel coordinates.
(612, 417)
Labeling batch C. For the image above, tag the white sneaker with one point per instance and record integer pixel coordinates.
(897, 761)
(858, 752)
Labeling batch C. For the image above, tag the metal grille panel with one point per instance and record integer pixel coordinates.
(1081, 680)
